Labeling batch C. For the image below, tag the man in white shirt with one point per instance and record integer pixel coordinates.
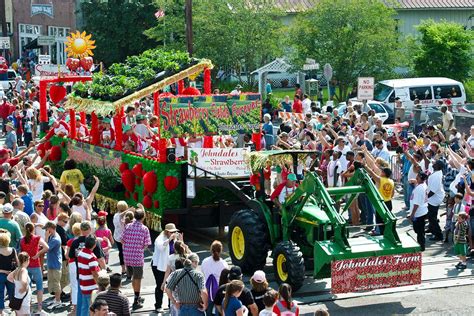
(448, 119)
(380, 151)
(436, 195)
(236, 91)
(419, 208)
(470, 140)
(306, 104)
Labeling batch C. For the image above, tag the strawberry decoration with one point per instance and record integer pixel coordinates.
(128, 180)
(137, 169)
(135, 196)
(87, 63)
(127, 194)
(150, 182)
(147, 202)
(171, 180)
(47, 146)
(57, 92)
(123, 167)
(73, 63)
(156, 204)
(138, 181)
(56, 153)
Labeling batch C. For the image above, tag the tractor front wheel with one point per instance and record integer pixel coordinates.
(248, 241)
(288, 264)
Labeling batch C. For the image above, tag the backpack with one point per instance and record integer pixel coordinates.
(212, 286)
(285, 311)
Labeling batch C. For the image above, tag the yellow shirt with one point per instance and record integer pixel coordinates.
(74, 177)
(386, 188)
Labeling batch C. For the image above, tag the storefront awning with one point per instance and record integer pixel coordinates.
(32, 45)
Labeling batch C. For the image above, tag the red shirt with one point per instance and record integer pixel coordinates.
(277, 311)
(31, 248)
(297, 106)
(69, 244)
(4, 110)
(86, 264)
(267, 173)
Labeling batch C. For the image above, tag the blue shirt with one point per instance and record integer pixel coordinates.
(28, 200)
(233, 305)
(268, 88)
(286, 106)
(268, 128)
(54, 256)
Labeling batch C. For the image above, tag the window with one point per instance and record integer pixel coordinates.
(381, 92)
(56, 51)
(443, 92)
(27, 34)
(377, 108)
(421, 93)
(391, 98)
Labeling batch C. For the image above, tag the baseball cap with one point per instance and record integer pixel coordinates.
(292, 177)
(3, 151)
(7, 208)
(235, 273)
(102, 214)
(106, 120)
(259, 276)
(126, 128)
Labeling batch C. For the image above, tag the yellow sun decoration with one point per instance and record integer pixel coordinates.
(79, 45)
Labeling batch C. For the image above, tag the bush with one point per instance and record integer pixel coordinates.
(469, 87)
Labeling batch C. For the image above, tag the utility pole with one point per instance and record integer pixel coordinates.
(189, 25)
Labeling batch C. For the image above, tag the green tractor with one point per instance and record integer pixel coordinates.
(309, 227)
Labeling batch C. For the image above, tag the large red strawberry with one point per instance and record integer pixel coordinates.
(56, 153)
(123, 166)
(137, 169)
(86, 63)
(147, 202)
(150, 181)
(171, 180)
(128, 180)
(57, 92)
(72, 63)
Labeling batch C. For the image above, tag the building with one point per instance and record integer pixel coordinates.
(42, 26)
(410, 13)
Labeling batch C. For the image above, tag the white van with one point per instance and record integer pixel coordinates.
(7, 79)
(427, 90)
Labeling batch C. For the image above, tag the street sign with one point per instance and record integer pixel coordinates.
(310, 66)
(327, 72)
(46, 40)
(4, 42)
(365, 88)
(44, 59)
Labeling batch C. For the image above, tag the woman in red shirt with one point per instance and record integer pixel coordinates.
(35, 247)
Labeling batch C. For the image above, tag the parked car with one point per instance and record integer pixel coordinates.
(7, 80)
(381, 111)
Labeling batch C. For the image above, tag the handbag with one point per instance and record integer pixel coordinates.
(15, 303)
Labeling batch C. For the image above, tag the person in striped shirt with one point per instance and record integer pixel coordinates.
(88, 267)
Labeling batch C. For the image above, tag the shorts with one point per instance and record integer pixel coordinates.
(54, 281)
(460, 249)
(36, 276)
(135, 272)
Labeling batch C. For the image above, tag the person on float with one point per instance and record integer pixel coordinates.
(284, 190)
(107, 135)
(129, 118)
(180, 144)
(129, 134)
(81, 129)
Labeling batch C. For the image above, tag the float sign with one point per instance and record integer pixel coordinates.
(365, 88)
(224, 162)
(372, 273)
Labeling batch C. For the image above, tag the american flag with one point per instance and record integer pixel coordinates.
(159, 14)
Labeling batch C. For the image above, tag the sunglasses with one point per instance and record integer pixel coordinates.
(40, 205)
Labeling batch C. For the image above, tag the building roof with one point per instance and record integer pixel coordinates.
(294, 6)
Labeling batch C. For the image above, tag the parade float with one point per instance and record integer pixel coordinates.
(159, 183)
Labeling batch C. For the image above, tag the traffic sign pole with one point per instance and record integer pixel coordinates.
(328, 75)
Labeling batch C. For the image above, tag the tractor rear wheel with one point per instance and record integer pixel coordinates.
(288, 264)
(248, 240)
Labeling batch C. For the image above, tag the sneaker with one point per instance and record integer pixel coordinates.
(65, 296)
(137, 305)
(55, 305)
(141, 299)
(458, 265)
(462, 266)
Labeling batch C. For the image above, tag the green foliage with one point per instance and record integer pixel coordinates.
(117, 27)
(137, 71)
(469, 88)
(444, 49)
(357, 37)
(236, 35)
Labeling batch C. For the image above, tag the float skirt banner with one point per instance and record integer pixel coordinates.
(224, 162)
(193, 116)
(367, 274)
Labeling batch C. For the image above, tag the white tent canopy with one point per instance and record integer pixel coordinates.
(278, 65)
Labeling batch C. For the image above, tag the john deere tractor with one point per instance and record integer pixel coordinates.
(309, 228)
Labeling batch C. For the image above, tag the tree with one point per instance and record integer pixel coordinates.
(117, 26)
(357, 37)
(236, 35)
(443, 49)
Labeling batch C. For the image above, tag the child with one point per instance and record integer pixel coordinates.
(105, 234)
(267, 175)
(452, 215)
(460, 239)
(269, 299)
(232, 306)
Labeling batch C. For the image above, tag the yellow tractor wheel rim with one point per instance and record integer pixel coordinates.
(238, 242)
(281, 267)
